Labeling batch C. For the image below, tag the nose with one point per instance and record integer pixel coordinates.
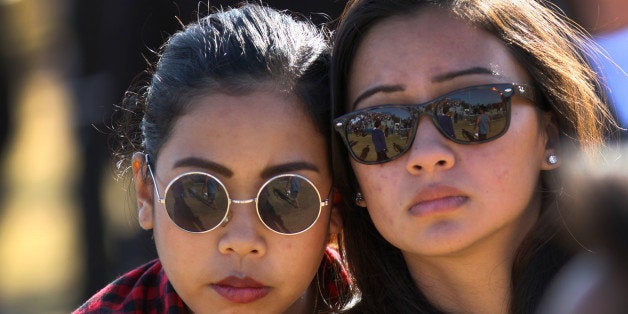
(242, 233)
(430, 151)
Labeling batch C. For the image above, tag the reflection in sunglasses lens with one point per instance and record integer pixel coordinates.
(196, 202)
(380, 134)
(476, 114)
(289, 204)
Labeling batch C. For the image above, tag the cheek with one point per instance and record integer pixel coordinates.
(311, 242)
(515, 173)
(503, 175)
(298, 257)
(375, 179)
(170, 245)
(176, 247)
(381, 188)
(525, 147)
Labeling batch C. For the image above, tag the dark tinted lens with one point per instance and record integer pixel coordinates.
(472, 115)
(380, 134)
(289, 204)
(196, 202)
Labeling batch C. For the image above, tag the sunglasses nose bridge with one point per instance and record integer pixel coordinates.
(242, 222)
(242, 234)
(427, 129)
(424, 110)
(246, 201)
(429, 149)
(241, 203)
(419, 112)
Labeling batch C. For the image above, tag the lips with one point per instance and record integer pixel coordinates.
(240, 290)
(437, 199)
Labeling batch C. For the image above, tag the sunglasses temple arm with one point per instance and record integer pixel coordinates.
(152, 175)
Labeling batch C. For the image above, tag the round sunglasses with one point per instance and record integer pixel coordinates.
(198, 202)
(471, 115)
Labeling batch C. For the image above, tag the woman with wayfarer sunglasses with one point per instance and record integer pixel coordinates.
(228, 144)
(458, 222)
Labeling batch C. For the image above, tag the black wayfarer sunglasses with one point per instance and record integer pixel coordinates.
(471, 115)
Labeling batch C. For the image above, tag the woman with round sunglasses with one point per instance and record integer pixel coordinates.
(457, 219)
(230, 159)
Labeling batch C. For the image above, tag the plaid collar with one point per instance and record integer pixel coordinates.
(145, 289)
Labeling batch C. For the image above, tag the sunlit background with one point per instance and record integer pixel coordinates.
(41, 255)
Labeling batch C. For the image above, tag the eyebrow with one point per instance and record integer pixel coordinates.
(454, 74)
(377, 89)
(269, 172)
(437, 79)
(288, 167)
(197, 162)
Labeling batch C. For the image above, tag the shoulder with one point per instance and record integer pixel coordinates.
(145, 289)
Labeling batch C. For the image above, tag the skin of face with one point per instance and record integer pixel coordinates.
(442, 199)
(243, 141)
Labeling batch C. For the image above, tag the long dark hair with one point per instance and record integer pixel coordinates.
(554, 53)
(235, 51)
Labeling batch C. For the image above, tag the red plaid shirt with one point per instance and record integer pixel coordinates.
(146, 289)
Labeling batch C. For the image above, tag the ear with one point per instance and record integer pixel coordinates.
(143, 191)
(552, 142)
(335, 220)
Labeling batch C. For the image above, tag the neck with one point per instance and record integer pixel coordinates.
(465, 286)
(476, 279)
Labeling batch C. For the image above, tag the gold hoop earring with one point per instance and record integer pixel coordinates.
(338, 288)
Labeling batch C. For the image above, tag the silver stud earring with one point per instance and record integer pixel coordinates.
(552, 159)
(359, 199)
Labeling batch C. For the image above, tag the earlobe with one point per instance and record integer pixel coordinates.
(359, 199)
(143, 192)
(551, 158)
